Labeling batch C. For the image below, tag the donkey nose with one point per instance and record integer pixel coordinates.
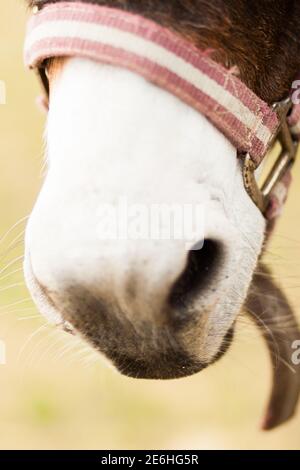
(152, 280)
(198, 274)
(135, 306)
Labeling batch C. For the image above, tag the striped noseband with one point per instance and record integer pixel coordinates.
(115, 37)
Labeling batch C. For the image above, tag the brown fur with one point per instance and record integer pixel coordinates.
(260, 37)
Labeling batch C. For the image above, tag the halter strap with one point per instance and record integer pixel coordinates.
(164, 58)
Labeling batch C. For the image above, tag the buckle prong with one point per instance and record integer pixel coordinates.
(261, 195)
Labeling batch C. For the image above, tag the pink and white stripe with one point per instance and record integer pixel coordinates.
(294, 121)
(162, 57)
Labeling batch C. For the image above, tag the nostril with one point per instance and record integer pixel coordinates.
(198, 273)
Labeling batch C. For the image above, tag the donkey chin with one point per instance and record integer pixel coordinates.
(154, 309)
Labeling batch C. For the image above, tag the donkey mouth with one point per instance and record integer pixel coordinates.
(133, 354)
(168, 366)
(173, 365)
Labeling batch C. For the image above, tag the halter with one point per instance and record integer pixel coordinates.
(115, 37)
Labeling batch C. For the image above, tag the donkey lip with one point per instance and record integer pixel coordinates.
(172, 366)
(157, 369)
(169, 365)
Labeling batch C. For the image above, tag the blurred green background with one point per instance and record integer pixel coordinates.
(55, 393)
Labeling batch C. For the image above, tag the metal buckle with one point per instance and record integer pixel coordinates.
(285, 160)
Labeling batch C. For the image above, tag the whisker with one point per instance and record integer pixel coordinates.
(11, 263)
(52, 345)
(31, 356)
(29, 339)
(11, 229)
(5, 254)
(12, 286)
(13, 304)
(16, 271)
(31, 317)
